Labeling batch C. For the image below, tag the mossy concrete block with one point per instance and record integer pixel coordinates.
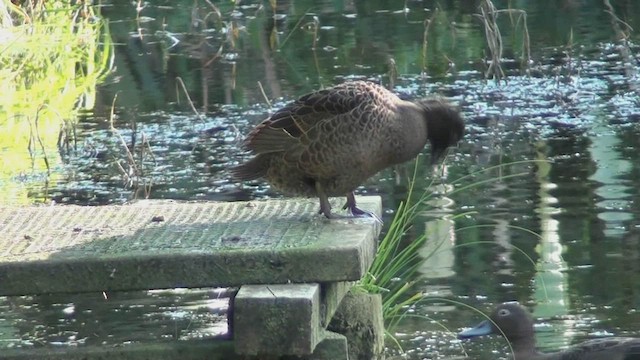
(163, 244)
(332, 347)
(330, 297)
(277, 319)
(359, 318)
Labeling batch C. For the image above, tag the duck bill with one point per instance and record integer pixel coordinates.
(437, 155)
(484, 328)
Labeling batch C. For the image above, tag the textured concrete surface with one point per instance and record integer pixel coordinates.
(277, 319)
(162, 244)
(288, 319)
(360, 319)
(332, 347)
(331, 294)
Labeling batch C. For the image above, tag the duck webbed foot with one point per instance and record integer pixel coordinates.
(356, 211)
(350, 205)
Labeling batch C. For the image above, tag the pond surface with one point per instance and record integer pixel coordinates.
(553, 222)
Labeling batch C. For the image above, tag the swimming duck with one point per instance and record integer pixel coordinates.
(514, 322)
(330, 141)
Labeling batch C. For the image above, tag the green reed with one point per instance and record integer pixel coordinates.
(489, 16)
(52, 56)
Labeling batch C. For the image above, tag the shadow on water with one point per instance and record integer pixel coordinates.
(575, 105)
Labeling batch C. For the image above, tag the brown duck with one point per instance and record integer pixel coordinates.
(330, 141)
(514, 322)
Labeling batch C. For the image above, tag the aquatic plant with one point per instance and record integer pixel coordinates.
(138, 158)
(489, 17)
(395, 269)
(52, 55)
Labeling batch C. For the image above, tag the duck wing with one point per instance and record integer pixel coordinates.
(290, 126)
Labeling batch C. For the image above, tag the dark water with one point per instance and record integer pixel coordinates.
(568, 115)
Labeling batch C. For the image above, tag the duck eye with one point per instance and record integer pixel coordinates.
(504, 312)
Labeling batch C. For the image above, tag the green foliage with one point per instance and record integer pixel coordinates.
(52, 55)
(394, 268)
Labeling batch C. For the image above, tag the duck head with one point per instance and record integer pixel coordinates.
(510, 320)
(445, 126)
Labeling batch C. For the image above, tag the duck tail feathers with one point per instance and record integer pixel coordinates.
(251, 170)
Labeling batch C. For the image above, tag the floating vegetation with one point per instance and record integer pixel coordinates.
(52, 56)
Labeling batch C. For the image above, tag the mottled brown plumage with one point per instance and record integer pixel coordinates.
(330, 141)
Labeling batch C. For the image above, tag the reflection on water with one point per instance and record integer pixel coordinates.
(113, 318)
(575, 108)
(613, 189)
(551, 289)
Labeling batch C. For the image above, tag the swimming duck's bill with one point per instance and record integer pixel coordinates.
(484, 328)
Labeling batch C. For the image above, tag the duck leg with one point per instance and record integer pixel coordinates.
(325, 206)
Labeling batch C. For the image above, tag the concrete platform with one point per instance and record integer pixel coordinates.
(163, 244)
(293, 268)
